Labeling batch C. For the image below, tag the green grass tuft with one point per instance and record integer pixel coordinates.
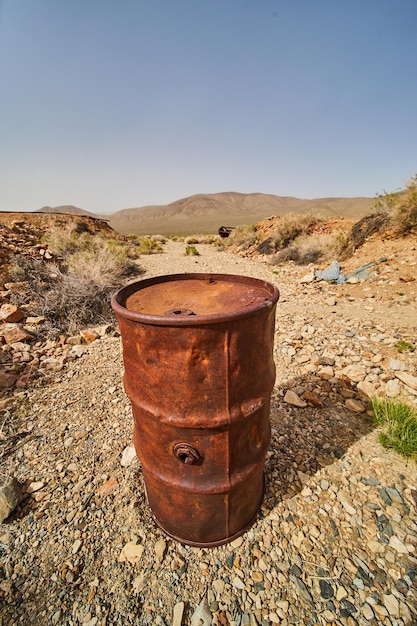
(191, 251)
(399, 424)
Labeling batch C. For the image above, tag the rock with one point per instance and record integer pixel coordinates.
(391, 604)
(397, 365)
(89, 335)
(107, 488)
(35, 321)
(76, 546)
(354, 405)
(326, 373)
(312, 398)
(292, 398)
(202, 615)
(35, 486)
(77, 351)
(177, 614)
(392, 388)
(131, 552)
(128, 456)
(160, 548)
(308, 278)
(366, 389)
(354, 372)
(331, 301)
(10, 497)
(406, 278)
(407, 379)
(11, 313)
(15, 334)
(7, 380)
(398, 545)
(326, 590)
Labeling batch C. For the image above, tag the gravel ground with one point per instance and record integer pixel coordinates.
(335, 540)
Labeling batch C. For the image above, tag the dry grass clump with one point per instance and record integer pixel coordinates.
(74, 291)
(243, 237)
(400, 207)
(306, 249)
(151, 244)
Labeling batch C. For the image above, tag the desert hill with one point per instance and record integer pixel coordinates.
(66, 209)
(204, 213)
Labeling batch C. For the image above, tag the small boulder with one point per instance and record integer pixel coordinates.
(10, 496)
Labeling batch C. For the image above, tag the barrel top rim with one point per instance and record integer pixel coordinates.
(120, 298)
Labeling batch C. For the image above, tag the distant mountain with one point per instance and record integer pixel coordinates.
(66, 209)
(205, 213)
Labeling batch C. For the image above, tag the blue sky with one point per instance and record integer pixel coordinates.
(109, 104)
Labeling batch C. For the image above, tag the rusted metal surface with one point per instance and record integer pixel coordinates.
(199, 371)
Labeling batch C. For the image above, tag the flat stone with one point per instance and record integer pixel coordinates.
(397, 365)
(128, 456)
(107, 488)
(131, 552)
(391, 604)
(366, 389)
(392, 388)
(11, 313)
(13, 335)
(177, 614)
(160, 548)
(202, 615)
(354, 372)
(407, 379)
(292, 398)
(398, 545)
(354, 405)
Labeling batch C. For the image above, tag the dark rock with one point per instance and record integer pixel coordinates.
(326, 590)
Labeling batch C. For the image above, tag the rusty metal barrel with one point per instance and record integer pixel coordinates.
(199, 372)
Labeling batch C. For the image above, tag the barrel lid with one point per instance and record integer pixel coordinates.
(191, 299)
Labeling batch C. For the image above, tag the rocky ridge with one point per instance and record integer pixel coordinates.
(335, 542)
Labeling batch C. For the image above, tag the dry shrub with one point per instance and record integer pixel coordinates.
(306, 249)
(150, 245)
(288, 228)
(400, 207)
(243, 237)
(75, 291)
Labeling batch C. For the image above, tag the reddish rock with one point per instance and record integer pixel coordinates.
(312, 398)
(107, 488)
(16, 334)
(89, 335)
(7, 380)
(11, 313)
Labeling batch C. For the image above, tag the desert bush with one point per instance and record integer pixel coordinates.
(149, 245)
(243, 237)
(306, 249)
(398, 422)
(73, 291)
(192, 240)
(400, 206)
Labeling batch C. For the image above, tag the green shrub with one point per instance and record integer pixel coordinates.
(399, 426)
(404, 346)
(191, 251)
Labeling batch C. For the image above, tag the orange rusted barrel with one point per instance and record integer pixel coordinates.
(199, 371)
